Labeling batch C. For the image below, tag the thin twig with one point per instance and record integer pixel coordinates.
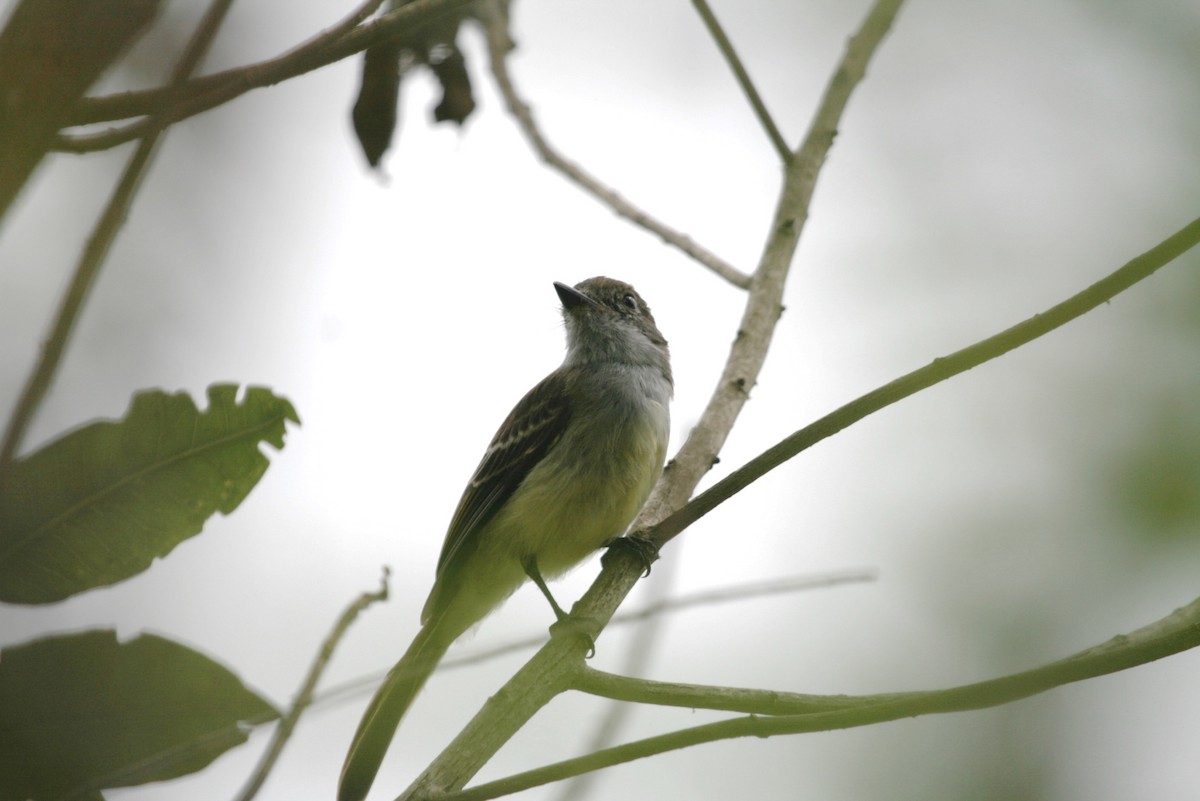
(365, 685)
(1173, 634)
(940, 369)
(764, 305)
(495, 20)
(746, 592)
(140, 103)
(743, 79)
(235, 733)
(304, 698)
(98, 245)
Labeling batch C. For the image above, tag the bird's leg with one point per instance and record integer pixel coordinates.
(564, 623)
(535, 575)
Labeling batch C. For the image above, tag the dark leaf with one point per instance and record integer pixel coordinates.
(84, 712)
(457, 102)
(100, 504)
(375, 111)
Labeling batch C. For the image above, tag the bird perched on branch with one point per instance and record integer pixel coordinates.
(566, 473)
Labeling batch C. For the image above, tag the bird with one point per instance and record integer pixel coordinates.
(565, 474)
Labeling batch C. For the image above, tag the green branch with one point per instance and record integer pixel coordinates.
(939, 370)
(1177, 632)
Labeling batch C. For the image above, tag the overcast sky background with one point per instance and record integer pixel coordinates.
(999, 157)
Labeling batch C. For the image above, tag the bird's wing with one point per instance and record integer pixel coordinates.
(531, 429)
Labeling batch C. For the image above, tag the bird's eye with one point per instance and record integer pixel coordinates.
(630, 301)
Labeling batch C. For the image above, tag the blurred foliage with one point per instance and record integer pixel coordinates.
(103, 502)
(1154, 480)
(1158, 483)
(84, 712)
(51, 51)
(1149, 484)
(376, 111)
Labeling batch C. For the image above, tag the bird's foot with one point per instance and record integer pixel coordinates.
(641, 548)
(575, 629)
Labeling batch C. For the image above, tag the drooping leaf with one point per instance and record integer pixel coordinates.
(377, 108)
(457, 101)
(83, 712)
(431, 44)
(100, 504)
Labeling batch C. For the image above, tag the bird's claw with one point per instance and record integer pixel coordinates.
(569, 627)
(641, 548)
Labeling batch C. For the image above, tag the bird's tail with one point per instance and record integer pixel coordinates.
(391, 701)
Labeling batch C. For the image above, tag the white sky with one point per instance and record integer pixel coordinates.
(999, 157)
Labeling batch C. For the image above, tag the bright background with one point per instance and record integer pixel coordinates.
(999, 157)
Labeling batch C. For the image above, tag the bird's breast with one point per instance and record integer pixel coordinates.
(590, 486)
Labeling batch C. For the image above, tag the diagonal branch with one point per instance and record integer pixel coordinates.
(304, 698)
(500, 44)
(939, 370)
(176, 103)
(765, 302)
(743, 79)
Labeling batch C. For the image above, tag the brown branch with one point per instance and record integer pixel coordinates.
(495, 19)
(202, 94)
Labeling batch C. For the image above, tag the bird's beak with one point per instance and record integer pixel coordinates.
(571, 297)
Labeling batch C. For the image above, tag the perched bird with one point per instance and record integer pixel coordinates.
(568, 470)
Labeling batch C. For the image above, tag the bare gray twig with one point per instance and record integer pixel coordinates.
(743, 79)
(304, 698)
(495, 19)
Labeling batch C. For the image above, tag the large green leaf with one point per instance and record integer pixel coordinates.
(100, 504)
(83, 712)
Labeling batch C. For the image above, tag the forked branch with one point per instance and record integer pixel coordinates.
(1179, 631)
